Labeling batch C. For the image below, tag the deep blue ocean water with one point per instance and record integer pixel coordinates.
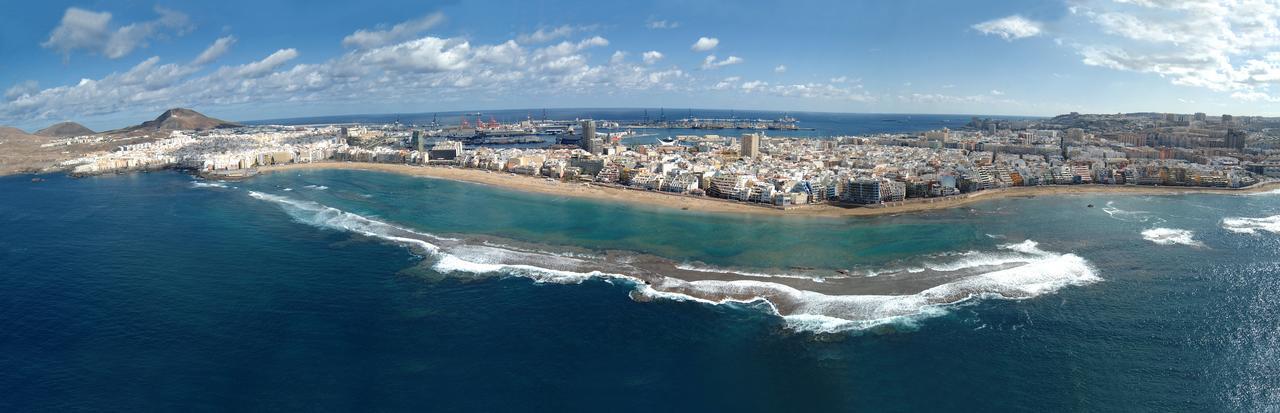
(147, 292)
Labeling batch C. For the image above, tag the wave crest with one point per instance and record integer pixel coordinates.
(1171, 236)
(1242, 225)
(1019, 271)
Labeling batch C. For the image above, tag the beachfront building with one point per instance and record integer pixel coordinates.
(862, 191)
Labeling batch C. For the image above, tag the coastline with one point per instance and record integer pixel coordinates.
(541, 185)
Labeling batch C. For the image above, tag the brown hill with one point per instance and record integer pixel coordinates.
(21, 152)
(179, 119)
(9, 131)
(64, 130)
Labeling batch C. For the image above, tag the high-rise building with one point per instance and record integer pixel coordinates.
(1200, 116)
(1235, 139)
(416, 141)
(588, 133)
(1226, 119)
(750, 145)
(344, 135)
(862, 191)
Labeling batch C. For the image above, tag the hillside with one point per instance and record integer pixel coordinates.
(9, 131)
(64, 130)
(178, 119)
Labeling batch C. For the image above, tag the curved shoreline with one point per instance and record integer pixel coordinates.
(540, 185)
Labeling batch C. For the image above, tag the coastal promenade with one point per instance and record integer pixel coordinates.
(660, 199)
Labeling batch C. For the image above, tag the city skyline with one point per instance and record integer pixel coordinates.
(110, 65)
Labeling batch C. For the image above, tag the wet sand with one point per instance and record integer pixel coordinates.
(715, 205)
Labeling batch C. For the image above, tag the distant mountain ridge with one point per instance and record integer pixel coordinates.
(64, 130)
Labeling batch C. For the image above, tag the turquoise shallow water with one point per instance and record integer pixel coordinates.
(147, 292)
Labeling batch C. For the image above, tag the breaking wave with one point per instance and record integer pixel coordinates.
(1042, 272)
(207, 184)
(1171, 236)
(316, 187)
(1243, 225)
(1018, 271)
(1129, 216)
(1264, 193)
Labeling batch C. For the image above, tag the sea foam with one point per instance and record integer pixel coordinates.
(207, 184)
(1243, 225)
(1171, 236)
(1129, 216)
(1025, 271)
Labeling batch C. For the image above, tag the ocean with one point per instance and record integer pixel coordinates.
(157, 292)
(329, 290)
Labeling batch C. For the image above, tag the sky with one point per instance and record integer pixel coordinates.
(109, 64)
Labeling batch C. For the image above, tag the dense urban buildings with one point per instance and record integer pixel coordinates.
(1074, 149)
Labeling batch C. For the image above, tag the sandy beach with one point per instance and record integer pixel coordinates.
(715, 205)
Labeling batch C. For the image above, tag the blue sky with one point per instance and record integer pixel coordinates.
(112, 63)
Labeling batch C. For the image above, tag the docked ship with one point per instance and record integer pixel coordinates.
(490, 132)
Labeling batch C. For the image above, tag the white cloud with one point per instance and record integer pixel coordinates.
(754, 85)
(566, 48)
(267, 64)
(662, 24)
(710, 62)
(215, 50)
(840, 79)
(91, 32)
(822, 91)
(424, 70)
(618, 57)
(727, 83)
(651, 57)
(147, 84)
(509, 53)
(705, 44)
(1225, 48)
(428, 54)
(23, 88)
(364, 39)
(543, 35)
(939, 98)
(780, 69)
(1254, 96)
(996, 92)
(807, 91)
(1011, 28)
